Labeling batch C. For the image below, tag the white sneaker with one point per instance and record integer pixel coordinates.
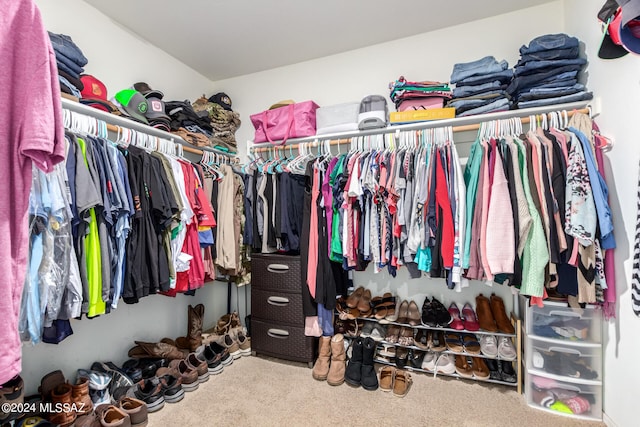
(429, 362)
(489, 345)
(446, 364)
(506, 350)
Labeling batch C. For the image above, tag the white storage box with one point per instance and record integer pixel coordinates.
(337, 118)
(565, 361)
(574, 399)
(557, 321)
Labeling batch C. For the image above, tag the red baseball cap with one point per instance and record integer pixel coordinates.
(94, 94)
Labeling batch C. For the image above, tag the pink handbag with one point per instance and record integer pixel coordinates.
(291, 121)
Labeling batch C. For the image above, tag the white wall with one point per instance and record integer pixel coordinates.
(616, 83)
(119, 59)
(350, 76)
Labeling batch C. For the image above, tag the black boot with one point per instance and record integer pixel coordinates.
(369, 379)
(354, 368)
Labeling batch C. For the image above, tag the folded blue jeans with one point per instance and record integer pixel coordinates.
(530, 96)
(74, 90)
(501, 104)
(520, 83)
(480, 100)
(67, 70)
(61, 59)
(553, 84)
(503, 76)
(547, 55)
(550, 42)
(463, 91)
(486, 65)
(63, 44)
(535, 66)
(580, 96)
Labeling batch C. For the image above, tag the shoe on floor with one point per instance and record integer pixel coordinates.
(387, 374)
(114, 416)
(232, 345)
(171, 388)
(136, 409)
(98, 386)
(214, 360)
(200, 365)
(180, 369)
(401, 383)
(244, 343)
(11, 393)
(118, 377)
(150, 392)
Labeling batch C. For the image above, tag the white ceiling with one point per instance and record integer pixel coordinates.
(228, 38)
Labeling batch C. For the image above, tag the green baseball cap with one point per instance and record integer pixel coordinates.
(133, 103)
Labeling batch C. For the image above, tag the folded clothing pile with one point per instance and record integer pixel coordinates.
(481, 86)
(423, 95)
(547, 72)
(190, 125)
(223, 120)
(71, 61)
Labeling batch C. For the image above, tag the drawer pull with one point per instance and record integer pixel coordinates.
(278, 333)
(278, 301)
(278, 268)
(565, 350)
(564, 313)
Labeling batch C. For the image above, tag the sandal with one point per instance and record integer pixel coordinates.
(364, 305)
(401, 383)
(454, 342)
(393, 333)
(463, 368)
(406, 336)
(471, 344)
(437, 342)
(354, 299)
(386, 304)
(387, 374)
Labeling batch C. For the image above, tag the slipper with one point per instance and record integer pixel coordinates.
(354, 299)
(401, 383)
(471, 344)
(470, 319)
(463, 368)
(384, 305)
(480, 369)
(456, 322)
(387, 374)
(437, 341)
(454, 342)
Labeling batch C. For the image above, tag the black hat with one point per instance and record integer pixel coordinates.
(146, 90)
(222, 99)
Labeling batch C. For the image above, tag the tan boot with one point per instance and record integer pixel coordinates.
(193, 340)
(500, 315)
(485, 317)
(321, 367)
(62, 395)
(80, 396)
(338, 361)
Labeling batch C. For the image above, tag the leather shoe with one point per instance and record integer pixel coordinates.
(500, 315)
(485, 317)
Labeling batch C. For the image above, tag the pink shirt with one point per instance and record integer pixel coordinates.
(31, 131)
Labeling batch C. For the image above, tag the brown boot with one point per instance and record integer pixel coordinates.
(500, 315)
(80, 396)
(485, 317)
(62, 395)
(193, 340)
(321, 367)
(335, 376)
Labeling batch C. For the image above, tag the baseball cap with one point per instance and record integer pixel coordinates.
(155, 110)
(221, 99)
(630, 25)
(94, 94)
(611, 46)
(282, 103)
(133, 104)
(146, 90)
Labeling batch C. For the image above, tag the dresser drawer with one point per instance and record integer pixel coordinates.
(279, 307)
(560, 322)
(276, 273)
(565, 360)
(282, 341)
(581, 400)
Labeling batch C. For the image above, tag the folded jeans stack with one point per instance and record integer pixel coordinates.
(71, 61)
(480, 86)
(418, 95)
(547, 72)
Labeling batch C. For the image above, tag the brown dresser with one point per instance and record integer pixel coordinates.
(277, 319)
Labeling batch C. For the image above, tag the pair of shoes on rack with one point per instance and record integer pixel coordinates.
(409, 357)
(471, 367)
(395, 380)
(384, 307)
(501, 370)
(408, 313)
(434, 313)
(502, 347)
(465, 320)
(330, 365)
(360, 370)
(492, 315)
(348, 327)
(359, 303)
(374, 330)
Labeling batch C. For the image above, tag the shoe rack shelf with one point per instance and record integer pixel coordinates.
(517, 338)
(454, 375)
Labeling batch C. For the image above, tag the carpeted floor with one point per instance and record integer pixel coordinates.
(256, 391)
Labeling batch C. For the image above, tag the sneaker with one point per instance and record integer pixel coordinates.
(225, 357)
(114, 416)
(171, 388)
(136, 409)
(150, 392)
(378, 333)
(489, 345)
(232, 345)
(244, 343)
(180, 369)
(214, 362)
(199, 365)
(11, 393)
(429, 361)
(506, 350)
(118, 377)
(98, 386)
(366, 331)
(446, 364)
